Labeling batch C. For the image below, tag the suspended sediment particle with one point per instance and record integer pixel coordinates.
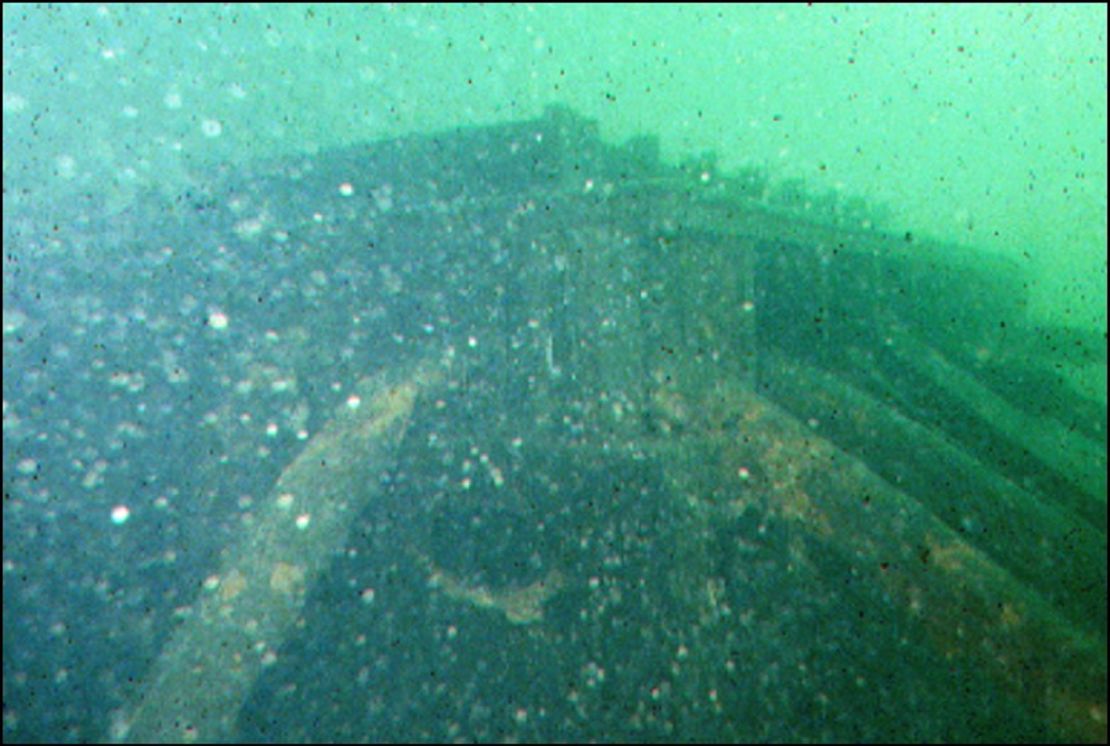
(286, 578)
(233, 584)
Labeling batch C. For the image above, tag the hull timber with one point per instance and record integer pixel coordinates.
(709, 458)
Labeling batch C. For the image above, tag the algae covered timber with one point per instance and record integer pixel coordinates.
(196, 687)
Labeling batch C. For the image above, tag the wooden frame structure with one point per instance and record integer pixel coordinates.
(770, 353)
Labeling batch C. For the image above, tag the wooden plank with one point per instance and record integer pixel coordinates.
(1066, 560)
(1079, 460)
(968, 606)
(195, 689)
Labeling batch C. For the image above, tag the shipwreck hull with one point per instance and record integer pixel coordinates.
(707, 461)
